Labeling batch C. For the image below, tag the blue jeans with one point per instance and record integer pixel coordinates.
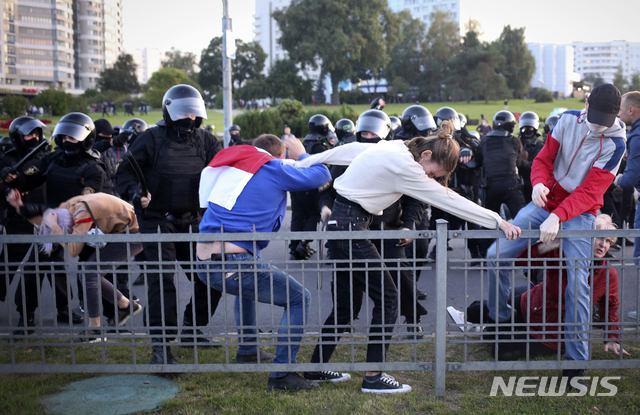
(287, 293)
(576, 296)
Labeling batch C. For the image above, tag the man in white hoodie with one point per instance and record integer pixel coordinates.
(579, 161)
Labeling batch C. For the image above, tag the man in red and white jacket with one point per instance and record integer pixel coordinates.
(579, 161)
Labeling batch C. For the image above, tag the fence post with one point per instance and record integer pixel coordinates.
(441, 307)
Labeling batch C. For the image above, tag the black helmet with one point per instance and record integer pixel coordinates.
(529, 119)
(135, 126)
(345, 127)
(447, 113)
(417, 120)
(463, 120)
(22, 126)
(5, 144)
(319, 124)
(395, 122)
(374, 121)
(183, 101)
(76, 125)
(549, 124)
(234, 128)
(504, 120)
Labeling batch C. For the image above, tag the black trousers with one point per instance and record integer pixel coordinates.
(418, 249)
(304, 213)
(352, 281)
(161, 290)
(498, 192)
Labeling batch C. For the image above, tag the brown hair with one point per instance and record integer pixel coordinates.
(271, 144)
(633, 98)
(445, 151)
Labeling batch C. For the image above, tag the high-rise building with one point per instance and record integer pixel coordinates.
(603, 58)
(148, 60)
(97, 38)
(60, 43)
(422, 9)
(37, 50)
(554, 68)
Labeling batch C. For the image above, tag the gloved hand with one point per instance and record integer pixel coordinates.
(378, 104)
(549, 228)
(539, 195)
(139, 201)
(465, 155)
(8, 174)
(121, 139)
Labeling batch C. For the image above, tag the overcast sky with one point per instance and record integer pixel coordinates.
(189, 25)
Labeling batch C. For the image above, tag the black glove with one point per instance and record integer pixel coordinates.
(121, 139)
(135, 200)
(465, 152)
(377, 104)
(6, 171)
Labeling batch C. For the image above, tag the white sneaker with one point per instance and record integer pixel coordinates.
(633, 315)
(384, 384)
(458, 318)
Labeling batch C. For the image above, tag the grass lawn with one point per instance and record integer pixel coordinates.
(222, 393)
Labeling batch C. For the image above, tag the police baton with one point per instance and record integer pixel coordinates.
(32, 153)
(144, 192)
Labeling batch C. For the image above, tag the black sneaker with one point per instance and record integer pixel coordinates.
(81, 305)
(125, 313)
(31, 322)
(139, 280)
(421, 295)
(158, 356)
(327, 376)
(414, 333)
(93, 336)
(202, 341)
(63, 317)
(383, 383)
(576, 373)
(291, 382)
(265, 357)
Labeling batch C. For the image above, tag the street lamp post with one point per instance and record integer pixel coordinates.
(228, 52)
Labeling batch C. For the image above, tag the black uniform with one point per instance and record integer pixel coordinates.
(530, 149)
(172, 170)
(305, 214)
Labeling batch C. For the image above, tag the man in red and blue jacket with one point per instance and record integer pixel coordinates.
(579, 161)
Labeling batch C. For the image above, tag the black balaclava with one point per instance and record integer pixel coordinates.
(185, 127)
(72, 149)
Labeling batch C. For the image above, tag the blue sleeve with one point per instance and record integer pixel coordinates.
(295, 179)
(631, 176)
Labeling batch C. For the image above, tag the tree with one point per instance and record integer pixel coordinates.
(338, 35)
(519, 64)
(634, 82)
(398, 86)
(484, 79)
(619, 81)
(164, 79)
(594, 79)
(185, 61)
(283, 81)
(248, 64)
(543, 95)
(57, 99)
(121, 78)
(442, 42)
(462, 66)
(406, 57)
(14, 105)
(252, 89)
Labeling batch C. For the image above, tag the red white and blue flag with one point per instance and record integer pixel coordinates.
(224, 178)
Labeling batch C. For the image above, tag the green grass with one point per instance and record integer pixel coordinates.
(225, 393)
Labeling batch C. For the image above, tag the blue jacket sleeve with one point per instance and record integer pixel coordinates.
(631, 176)
(295, 179)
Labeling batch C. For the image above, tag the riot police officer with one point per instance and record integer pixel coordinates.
(531, 146)
(234, 136)
(305, 214)
(345, 131)
(549, 123)
(416, 121)
(395, 122)
(171, 156)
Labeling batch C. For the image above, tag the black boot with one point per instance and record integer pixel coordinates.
(187, 337)
(575, 373)
(31, 322)
(159, 353)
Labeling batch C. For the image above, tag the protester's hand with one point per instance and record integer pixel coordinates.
(325, 212)
(404, 241)
(539, 195)
(295, 147)
(616, 348)
(50, 219)
(615, 181)
(8, 174)
(549, 228)
(549, 246)
(14, 198)
(510, 231)
(141, 202)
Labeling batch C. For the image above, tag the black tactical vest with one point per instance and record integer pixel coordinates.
(174, 178)
(66, 177)
(499, 156)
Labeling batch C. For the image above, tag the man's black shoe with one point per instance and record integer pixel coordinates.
(421, 295)
(158, 356)
(265, 357)
(31, 322)
(203, 341)
(575, 373)
(291, 382)
(63, 317)
(139, 280)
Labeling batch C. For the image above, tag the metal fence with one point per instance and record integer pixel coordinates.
(453, 280)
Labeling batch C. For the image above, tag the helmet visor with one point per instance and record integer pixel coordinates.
(374, 125)
(28, 127)
(77, 131)
(182, 108)
(424, 123)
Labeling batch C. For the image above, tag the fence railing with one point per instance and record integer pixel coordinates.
(434, 342)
